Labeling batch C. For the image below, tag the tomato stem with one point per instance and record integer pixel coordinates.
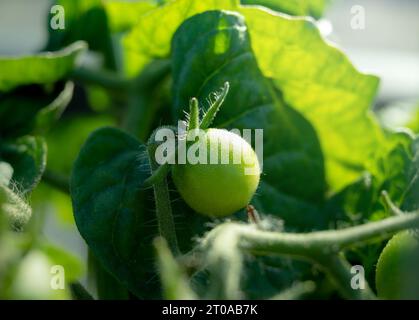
(322, 248)
(163, 206)
(339, 271)
(193, 114)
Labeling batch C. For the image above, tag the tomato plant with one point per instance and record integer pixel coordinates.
(86, 123)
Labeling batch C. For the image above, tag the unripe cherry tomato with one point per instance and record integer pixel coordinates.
(218, 190)
(397, 268)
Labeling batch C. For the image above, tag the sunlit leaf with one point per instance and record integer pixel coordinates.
(314, 8)
(319, 81)
(124, 15)
(151, 36)
(42, 68)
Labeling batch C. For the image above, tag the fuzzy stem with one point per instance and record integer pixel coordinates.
(332, 240)
(224, 260)
(158, 175)
(193, 114)
(322, 248)
(163, 206)
(339, 271)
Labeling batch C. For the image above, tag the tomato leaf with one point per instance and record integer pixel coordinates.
(319, 81)
(84, 20)
(314, 8)
(108, 207)
(315, 78)
(151, 36)
(42, 68)
(294, 156)
(33, 109)
(124, 15)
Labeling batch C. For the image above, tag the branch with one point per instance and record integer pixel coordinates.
(322, 248)
(106, 79)
(332, 241)
(56, 180)
(339, 271)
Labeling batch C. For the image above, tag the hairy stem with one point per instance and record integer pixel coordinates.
(224, 260)
(163, 206)
(193, 114)
(331, 241)
(339, 272)
(323, 247)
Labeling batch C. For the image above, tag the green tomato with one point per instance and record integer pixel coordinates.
(397, 268)
(217, 189)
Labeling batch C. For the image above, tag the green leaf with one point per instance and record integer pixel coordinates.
(319, 81)
(124, 15)
(78, 292)
(410, 200)
(84, 20)
(314, 77)
(42, 68)
(314, 8)
(107, 286)
(214, 47)
(109, 207)
(392, 172)
(14, 208)
(27, 155)
(51, 113)
(151, 36)
(33, 109)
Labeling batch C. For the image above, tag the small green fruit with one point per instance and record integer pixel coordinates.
(398, 267)
(218, 190)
